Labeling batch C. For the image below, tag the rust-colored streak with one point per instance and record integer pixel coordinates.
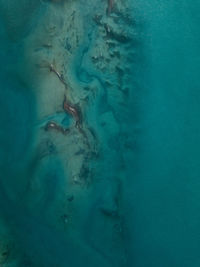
(72, 110)
(69, 108)
(60, 76)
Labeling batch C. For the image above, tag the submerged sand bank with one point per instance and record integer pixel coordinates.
(78, 53)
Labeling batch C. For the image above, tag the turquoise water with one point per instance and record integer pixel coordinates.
(141, 207)
(164, 195)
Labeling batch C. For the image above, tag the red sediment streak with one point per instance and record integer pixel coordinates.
(67, 106)
(75, 112)
(110, 6)
(60, 76)
(72, 110)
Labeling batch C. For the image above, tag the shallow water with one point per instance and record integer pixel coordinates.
(123, 190)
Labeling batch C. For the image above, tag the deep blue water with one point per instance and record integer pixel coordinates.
(157, 147)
